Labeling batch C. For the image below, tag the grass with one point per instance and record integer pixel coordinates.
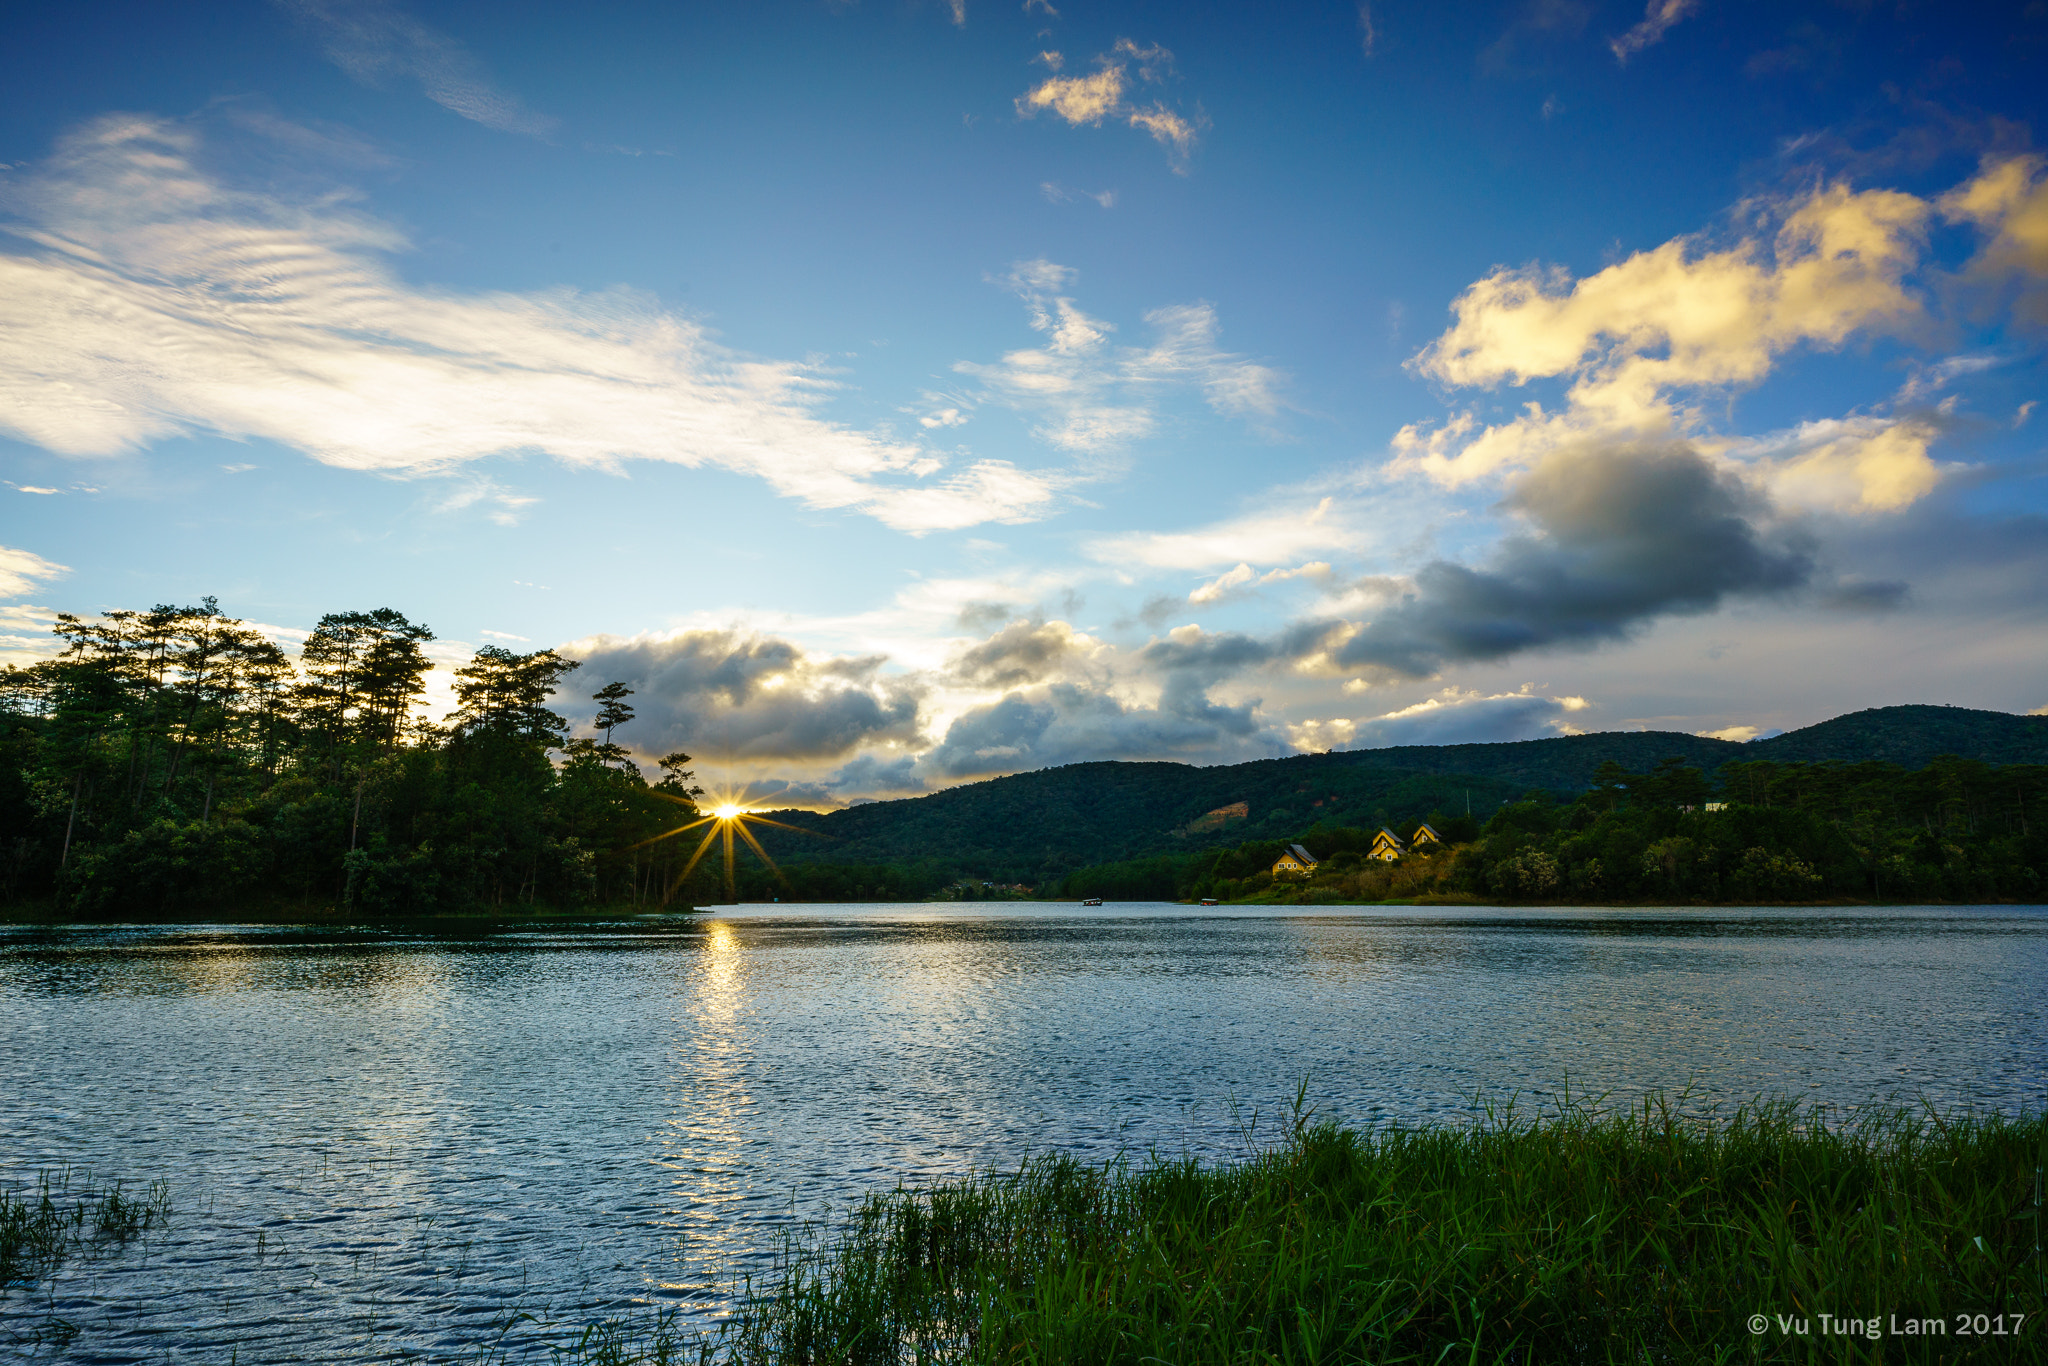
(1586, 1236)
(40, 1229)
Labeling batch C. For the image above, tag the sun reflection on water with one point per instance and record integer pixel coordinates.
(711, 1121)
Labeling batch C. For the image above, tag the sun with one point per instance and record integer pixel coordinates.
(728, 816)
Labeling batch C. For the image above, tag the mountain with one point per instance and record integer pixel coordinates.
(1032, 827)
(1911, 737)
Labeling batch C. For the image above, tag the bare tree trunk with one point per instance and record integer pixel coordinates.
(206, 811)
(356, 820)
(77, 779)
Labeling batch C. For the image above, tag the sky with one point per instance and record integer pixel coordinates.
(895, 395)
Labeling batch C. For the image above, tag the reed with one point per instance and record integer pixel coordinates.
(41, 1227)
(1586, 1235)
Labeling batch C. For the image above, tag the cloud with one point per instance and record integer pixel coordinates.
(730, 696)
(1060, 194)
(1643, 342)
(1238, 582)
(1866, 595)
(22, 570)
(502, 505)
(1273, 536)
(1098, 397)
(1453, 717)
(1101, 95)
(1616, 534)
(1857, 464)
(1069, 723)
(154, 301)
(374, 41)
(2008, 200)
(1021, 653)
(1658, 17)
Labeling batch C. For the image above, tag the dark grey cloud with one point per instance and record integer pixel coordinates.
(728, 695)
(1621, 534)
(1865, 595)
(1067, 723)
(1022, 653)
(984, 616)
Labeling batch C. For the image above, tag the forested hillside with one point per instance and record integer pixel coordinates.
(1037, 827)
(1953, 830)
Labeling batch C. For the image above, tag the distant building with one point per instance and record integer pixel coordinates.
(1717, 806)
(1386, 846)
(1425, 835)
(1295, 862)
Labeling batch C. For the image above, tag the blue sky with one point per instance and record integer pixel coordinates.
(895, 395)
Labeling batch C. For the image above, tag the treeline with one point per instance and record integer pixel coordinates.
(1954, 830)
(177, 760)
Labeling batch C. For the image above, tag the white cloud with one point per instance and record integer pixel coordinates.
(374, 40)
(1452, 717)
(1857, 464)
(155, 301)
(22, 570)
(2008, 200)
(1096, 396)
(500, 504)
(1236, 582)
(1645, 341)
(1060, 194)
(1101, 95)
(1658, 17)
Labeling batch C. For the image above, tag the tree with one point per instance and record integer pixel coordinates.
(506, 694)
(364, 670)
(612, 712)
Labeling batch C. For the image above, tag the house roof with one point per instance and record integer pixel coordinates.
(1421, 830)
(1392, 837)
(1304, 855)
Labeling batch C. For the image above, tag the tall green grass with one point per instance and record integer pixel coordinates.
(41, 1227)
(1585, 1236)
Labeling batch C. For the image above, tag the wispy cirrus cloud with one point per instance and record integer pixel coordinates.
(374, 41)
(148, 299)
(1658, 18)
(22, 570)
(1095, 396)
(1105, 93)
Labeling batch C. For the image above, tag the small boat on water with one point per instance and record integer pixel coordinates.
(1208, 901)
(1091, 901)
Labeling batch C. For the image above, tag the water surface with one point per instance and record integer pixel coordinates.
(390, 1142)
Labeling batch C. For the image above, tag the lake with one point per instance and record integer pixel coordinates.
(392, 1142)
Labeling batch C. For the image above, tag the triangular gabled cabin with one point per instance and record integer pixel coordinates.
(1424, 835)
(1386, 846)
(1294, 861)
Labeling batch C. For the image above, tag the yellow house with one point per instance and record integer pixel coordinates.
(1294, 861)
(1424, 835)
(1386, 846)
